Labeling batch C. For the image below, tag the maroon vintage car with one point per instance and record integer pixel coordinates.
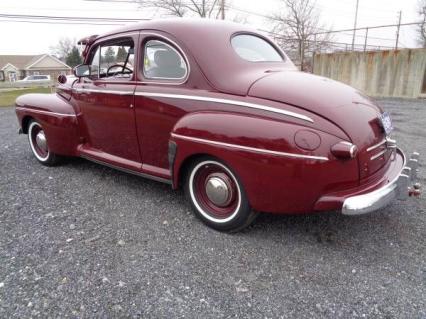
(221, 111)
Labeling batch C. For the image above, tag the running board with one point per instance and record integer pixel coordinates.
(129, 171)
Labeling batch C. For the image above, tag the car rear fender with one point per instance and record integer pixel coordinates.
(265, 156)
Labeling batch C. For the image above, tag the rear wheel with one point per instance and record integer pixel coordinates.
(217, 196)
(39, 144)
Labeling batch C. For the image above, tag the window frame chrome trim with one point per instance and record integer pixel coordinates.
(163, 78)
(226, 101)
(250, 149)
(154, 35)
(101, 40)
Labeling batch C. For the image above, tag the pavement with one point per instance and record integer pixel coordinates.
(85, 241)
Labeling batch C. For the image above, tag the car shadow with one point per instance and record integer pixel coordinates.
(327, 228)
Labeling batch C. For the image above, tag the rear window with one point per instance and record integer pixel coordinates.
(255, 49)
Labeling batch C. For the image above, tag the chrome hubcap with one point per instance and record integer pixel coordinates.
(41, 141)
(218, 191)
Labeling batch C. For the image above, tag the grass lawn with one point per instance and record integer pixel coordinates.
(7, 98)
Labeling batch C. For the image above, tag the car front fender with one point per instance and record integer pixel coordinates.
(56, 116)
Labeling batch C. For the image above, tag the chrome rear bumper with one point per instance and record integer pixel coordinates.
(401, 187)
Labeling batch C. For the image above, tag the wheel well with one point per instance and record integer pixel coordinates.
(25, 123)
(183, 169)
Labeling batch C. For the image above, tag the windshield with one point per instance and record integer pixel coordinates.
(255, 49)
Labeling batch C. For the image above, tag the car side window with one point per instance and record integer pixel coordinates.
(114, 59)
(162, 61)
(255, 49)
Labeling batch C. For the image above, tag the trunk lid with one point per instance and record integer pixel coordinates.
(356, 114)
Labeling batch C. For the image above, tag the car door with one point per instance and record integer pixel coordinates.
(105, 101)
(163, 69)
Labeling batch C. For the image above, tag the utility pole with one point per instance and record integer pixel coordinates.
(355, 23)
(222, 9)
(397, 30)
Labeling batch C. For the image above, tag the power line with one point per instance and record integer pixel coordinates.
(375, 27)
(112, 1)
(68, 18)
(60, 22)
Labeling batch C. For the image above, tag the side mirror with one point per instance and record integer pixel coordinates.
(82, 70)
(2, 77)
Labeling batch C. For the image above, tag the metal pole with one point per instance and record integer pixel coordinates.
(222, 8)
(397, 30)
(366, 39)
(355, 23)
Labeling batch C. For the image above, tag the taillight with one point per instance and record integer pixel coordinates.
(344, 150)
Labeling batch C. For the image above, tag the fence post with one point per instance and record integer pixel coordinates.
(366, 39)
(314, 52)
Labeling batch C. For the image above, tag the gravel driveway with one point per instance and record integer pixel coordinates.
(82, 241)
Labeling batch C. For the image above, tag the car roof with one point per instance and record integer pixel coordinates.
(177, 26)
(208, 41)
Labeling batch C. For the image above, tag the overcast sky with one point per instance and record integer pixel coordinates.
(36, 38)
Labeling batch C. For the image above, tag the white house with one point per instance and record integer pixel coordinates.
(16, 67)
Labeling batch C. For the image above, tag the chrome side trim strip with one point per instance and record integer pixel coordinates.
(376, 145)
(250, 149)
(226, 101)
(129, 171)
(82, 90)
(44, 112)
(377, 155)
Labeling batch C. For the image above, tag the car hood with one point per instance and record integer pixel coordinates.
(356, 114)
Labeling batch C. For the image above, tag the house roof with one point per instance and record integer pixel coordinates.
(19, 61)
(23, 62)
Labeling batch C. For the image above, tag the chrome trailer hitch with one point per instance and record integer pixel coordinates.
(408, 185)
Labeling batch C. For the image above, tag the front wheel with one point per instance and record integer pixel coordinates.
(39, 144)
(217, 196)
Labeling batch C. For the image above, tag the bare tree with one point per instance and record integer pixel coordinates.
(63, 48)
(181, 8)
(422, 28)
(297, 27)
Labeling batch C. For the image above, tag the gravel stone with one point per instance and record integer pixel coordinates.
(121, 242)
(297, 266)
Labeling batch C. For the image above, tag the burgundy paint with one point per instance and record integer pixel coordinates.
(133, 132)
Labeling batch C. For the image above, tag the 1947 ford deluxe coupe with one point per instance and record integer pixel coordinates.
(220, 110)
